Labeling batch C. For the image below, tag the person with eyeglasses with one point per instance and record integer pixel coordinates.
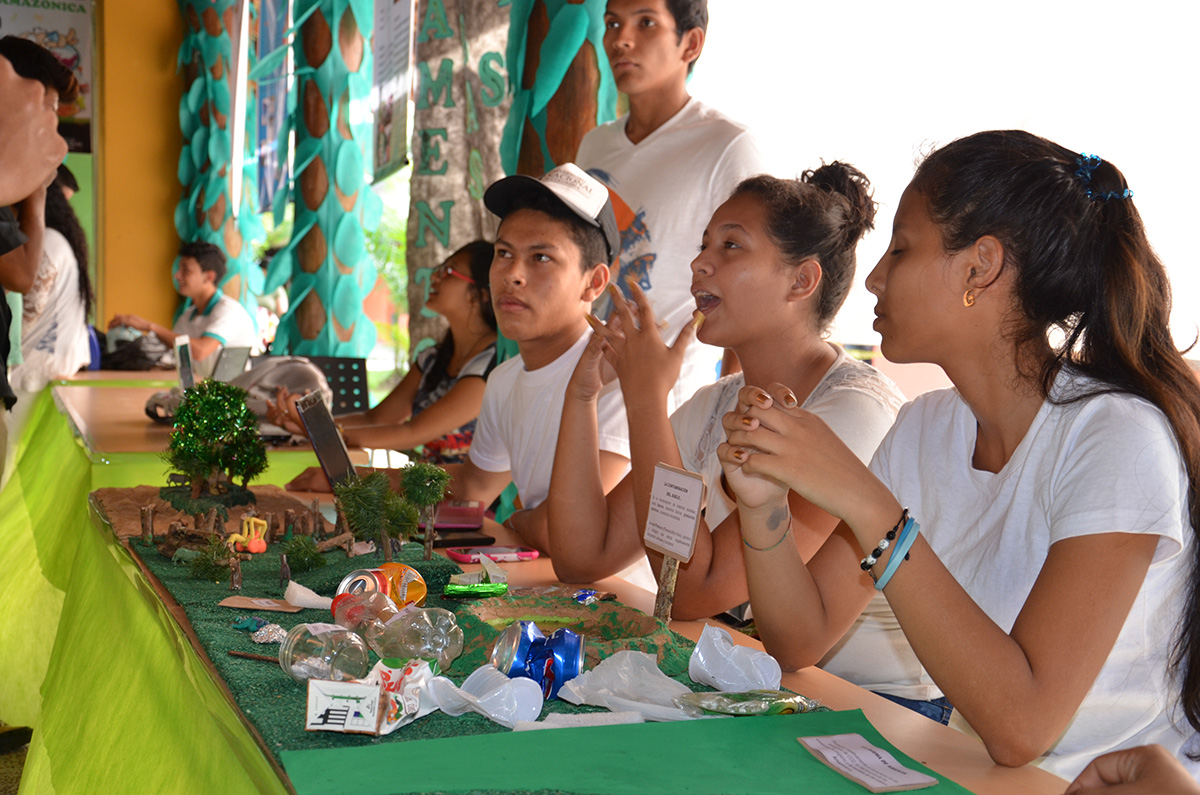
(436, 403)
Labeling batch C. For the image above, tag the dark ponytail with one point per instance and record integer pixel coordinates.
(820, 216)
(61, 218)
(1085, 268)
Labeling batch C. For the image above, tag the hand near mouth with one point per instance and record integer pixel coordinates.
(646, 366)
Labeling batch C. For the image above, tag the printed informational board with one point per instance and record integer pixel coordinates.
(676, 498)
(389, 90)
(64, 27)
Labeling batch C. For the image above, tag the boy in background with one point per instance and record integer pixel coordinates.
(670, 162)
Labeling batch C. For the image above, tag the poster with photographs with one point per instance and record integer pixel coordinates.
(64, 28)
(389, 92)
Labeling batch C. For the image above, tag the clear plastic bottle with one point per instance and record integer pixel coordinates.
(429, 633)
(357, 611)
(323, 651)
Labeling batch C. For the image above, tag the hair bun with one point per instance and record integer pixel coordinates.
(852, 185)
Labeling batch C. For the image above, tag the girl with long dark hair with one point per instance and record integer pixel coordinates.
(435, 405)
(54, 333)
(1033, 527)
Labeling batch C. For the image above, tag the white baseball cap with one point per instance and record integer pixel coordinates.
(580, 192)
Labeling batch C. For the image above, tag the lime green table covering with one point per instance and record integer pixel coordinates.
(43, 519)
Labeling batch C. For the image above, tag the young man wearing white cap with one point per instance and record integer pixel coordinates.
(556, 241)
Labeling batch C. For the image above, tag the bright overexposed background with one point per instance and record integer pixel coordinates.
(876, 83)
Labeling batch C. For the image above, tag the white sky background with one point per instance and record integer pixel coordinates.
(876, 83)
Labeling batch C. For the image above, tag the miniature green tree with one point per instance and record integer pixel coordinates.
(425, 486)
(215, 434)
(373, 510)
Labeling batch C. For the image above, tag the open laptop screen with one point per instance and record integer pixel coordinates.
(326, 441)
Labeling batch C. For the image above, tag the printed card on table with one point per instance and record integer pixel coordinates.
(676, 498)
(871, 766)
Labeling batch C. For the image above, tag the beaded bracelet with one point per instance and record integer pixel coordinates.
(900, 553)
(867, 564)
(768, 549)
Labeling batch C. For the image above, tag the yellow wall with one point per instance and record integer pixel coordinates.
(138, 143)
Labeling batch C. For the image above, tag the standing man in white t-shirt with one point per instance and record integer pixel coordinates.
(213, 321)
(669, 163)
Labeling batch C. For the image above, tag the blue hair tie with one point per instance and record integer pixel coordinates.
(1089, 163)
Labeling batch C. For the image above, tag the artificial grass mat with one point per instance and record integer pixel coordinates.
(275, 704)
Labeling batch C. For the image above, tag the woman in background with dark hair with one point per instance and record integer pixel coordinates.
(436, 403)
(1033, 528)
(54, 333)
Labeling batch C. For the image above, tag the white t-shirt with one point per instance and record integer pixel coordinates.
(859, 404)
(54, 335)
(518, 427)
(666, 188)
(1101, 464)
(224, 320)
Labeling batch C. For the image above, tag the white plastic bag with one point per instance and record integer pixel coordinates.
(628, 681)
(718, 663)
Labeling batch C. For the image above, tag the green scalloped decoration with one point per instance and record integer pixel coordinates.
(219, 91)
(349, 168)
(186, 169)
(182, 220)
(347, 301)
(349, 245)
(199, 147)
(219, 146)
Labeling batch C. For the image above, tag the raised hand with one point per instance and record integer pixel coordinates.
(636, 350)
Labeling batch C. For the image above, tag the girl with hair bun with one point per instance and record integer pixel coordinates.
(774, 266)
(1032, 528)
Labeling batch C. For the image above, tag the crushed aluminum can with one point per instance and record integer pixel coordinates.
(522, 650)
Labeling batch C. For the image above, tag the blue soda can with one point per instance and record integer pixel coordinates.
(511, 653)
(556, 660)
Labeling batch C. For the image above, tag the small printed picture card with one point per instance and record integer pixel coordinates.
(676, 498)
(250, 603)
(868, 765)
(347, 707)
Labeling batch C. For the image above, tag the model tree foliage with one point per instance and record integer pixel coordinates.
(216, 434)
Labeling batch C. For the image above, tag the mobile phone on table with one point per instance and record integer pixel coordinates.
(500, 554)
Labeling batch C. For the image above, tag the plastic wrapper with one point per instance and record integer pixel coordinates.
(482, 590)
(406, 691)
(491, 694)
(428, 633)
(750, 702)
(271, 633)
(628, 681)
(718, 663)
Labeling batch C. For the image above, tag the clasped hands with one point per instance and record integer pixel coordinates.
(772, 445)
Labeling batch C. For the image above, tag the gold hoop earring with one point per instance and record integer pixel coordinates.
(969, 298)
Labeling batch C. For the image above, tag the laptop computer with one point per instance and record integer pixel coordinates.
(183, 361)
(231, 362)
(326, 441)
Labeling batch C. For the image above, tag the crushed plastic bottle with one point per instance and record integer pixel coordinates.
(357, 611)
(429, 633)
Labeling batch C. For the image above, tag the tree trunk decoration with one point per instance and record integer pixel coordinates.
(461, 107)
(326, 259)
(206, 213)
(560, 79)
